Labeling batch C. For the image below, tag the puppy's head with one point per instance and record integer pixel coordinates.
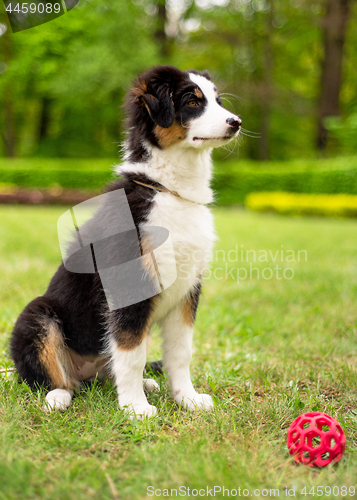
(167, 106)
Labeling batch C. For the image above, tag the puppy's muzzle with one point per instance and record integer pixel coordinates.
(234, 125)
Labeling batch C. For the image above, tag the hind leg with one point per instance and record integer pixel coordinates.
(40, 355)
(58, 399)
(150, 385)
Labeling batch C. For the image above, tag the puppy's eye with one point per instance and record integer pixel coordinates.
(192, 102)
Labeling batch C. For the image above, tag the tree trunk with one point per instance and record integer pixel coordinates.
(266, 89)
(9, 135)
(334, 29)
(45, 118)
(160, 33)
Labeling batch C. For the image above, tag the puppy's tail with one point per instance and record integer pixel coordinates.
(154, 368)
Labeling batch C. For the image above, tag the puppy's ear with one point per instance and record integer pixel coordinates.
(159, 105)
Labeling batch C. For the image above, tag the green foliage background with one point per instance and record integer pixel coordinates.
(66, 79)
(232, 180)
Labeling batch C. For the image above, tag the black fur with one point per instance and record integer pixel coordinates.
(159, 97)
(195, 297)
(154, 368)
(27, 339)
(201, 73)
(76, 302)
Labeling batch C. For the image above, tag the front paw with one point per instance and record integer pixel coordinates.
(197, 402)
(139, 411)
(58, 399)
(150, 385)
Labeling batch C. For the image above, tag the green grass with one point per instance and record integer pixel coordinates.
(266, 349)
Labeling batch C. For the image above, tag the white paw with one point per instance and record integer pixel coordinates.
(197, 402)
(59, 399)
(150, 385)
(140, 411)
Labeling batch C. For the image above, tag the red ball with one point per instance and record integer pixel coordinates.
(316, 439)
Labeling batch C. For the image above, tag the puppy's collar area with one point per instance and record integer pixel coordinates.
(162, 189)
(157, 188)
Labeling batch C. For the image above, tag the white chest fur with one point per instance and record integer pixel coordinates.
(186, 171)
(192, 235)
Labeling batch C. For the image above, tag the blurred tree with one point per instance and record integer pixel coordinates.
(257, 51)
(161, 24)
(7, 126)
(334, 25)
(266, 86)
(62, 83)
(68, 77)
(269, 54)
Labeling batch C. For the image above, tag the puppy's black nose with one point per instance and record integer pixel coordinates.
(235, 123)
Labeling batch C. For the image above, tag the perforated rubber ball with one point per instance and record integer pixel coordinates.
(316, 439)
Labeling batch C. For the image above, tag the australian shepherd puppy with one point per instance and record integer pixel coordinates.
(70, 334)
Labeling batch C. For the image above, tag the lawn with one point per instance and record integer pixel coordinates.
(267, 347)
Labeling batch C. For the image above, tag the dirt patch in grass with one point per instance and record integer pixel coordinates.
(49, 196)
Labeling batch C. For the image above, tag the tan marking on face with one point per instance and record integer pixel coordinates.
(198, 93)
(169, 136)
(53, 356)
